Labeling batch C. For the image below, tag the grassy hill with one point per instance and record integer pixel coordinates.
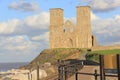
(52, 56)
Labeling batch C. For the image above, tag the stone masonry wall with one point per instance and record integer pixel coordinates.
(69, 35)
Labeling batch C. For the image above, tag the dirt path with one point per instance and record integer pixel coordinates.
(87, 69)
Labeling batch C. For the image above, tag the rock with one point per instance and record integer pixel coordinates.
(19, 77)
(15, 74)
(42, 74)
(47, 64)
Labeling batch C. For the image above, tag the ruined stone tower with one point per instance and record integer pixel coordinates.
(69, 35)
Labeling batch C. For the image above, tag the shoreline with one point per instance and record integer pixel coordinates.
(19, 74)
(12, 65)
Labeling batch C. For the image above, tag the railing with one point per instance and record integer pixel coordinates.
(95, 74)
(63, 70)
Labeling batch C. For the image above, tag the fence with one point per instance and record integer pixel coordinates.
(64, 69)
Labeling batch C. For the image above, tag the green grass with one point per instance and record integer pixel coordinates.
(94, 55)
(52, 55)
(58, 49)
(114, 51)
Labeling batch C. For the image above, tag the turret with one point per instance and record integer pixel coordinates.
(56, 26)
(56, 16)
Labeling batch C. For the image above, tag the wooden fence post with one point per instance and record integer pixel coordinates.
(37, 70)
(118, 65)
(102, 73)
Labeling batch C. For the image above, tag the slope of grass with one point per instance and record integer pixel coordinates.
(52, 55)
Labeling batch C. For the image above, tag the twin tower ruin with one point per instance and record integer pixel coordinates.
(66, 34)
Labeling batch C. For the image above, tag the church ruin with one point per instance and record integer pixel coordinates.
(69, 35)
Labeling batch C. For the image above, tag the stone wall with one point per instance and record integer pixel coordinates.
(69, 35)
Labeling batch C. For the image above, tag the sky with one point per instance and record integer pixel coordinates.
(24, 25)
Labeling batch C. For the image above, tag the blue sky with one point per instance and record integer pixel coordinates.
(24, 25)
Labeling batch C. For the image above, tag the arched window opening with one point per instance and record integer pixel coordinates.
(71, 29)
(70, 42)
(64, 29)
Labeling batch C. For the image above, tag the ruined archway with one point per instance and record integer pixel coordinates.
(68, 26)
(70, 43)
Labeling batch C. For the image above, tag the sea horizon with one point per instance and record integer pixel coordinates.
(5, 66)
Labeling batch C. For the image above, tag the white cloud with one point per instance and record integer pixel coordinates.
(107, 30)
(16, 37)
(18, 48)
(94, 17)
(103, 5)
(106, 26)
(24, 6)
(43, 37)
(117, 17)
(9, 27)
(39, 21)
(17, 43)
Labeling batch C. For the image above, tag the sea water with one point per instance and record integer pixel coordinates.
(9, 66)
